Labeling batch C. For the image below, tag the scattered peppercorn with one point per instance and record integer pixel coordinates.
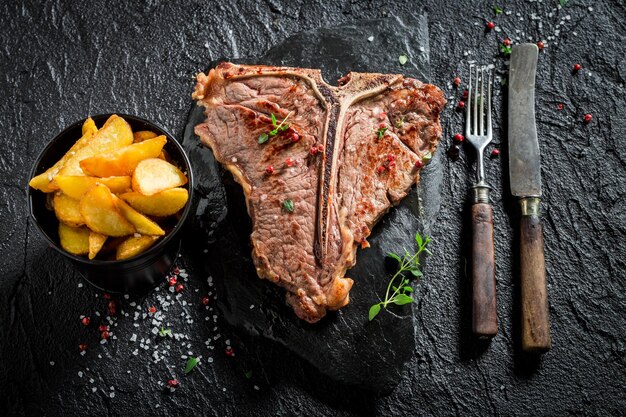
(419, 164)
(172, 281)
(380, 169)
(391, 164)
(490, 25)
(205, 301)
(540, 45)
(269, 170)
(320, 148)
(289, 162)
(382, 115)
(506, 42)
(103, 328)
(495, 153)
(85, 321)
(465, 94)
(453, 152)
(106, 296)
(382, 126)
(229, 351)
(176, 271)
(152, 309)
(458, 138)
(577, 67)
(82, 347)
(560, 106)
(173, 383)
(180, 287)
(588, 118)
(313, 150)
(104, 335)
(457, 81)
(391, 157)
(295, 137)
(112, 307)
(461, 105)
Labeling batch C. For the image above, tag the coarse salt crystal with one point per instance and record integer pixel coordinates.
(370, 39)
(80, 374)
(94, 389)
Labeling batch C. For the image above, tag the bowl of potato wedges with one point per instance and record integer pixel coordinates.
(111, 193)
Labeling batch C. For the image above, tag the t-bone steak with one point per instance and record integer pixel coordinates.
(319, 165)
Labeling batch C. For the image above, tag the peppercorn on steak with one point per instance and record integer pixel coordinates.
(319, 165)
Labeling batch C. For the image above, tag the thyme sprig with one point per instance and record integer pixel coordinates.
(278, 127)
(398, 289)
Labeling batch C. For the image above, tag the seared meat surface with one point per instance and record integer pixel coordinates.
(344, 155)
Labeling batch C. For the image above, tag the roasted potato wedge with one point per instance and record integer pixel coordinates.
(101, 214)
(123, 161)
(155, 175)
(67, 210)
(75, 186)
(142, 135)
(144, 225)
(75, 240)
(96, 242)
(43, 182)
(133, 246)
(162, 204)
(115, 134)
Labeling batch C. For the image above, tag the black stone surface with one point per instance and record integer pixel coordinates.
(340, 345)
(62, 61)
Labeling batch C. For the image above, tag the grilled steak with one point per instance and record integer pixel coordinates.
(339, 158)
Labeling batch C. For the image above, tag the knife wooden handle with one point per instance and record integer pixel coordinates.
(484, 312)
(535, 313)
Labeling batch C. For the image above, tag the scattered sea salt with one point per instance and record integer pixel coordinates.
(370, 39)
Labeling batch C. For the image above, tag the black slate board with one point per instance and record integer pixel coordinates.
(344, 345)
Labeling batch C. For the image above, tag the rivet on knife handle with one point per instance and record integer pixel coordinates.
(484, 312)
(535, 313)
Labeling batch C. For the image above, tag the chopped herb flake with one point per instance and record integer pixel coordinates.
(506, 50)
(288, 205)
(381, 132)
(403, 59)
(165, 332)
(497, 10)
(191, 363)
(263, 137)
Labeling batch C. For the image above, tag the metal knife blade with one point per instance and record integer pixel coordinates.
(524, 160)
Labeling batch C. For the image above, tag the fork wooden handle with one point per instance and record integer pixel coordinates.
(535, 312)
(484, 312)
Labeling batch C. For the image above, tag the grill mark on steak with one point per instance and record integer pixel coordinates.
(338, 195)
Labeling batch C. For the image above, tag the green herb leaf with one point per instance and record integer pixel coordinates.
(381, 132)
(403, 59)
(400, 122)
(427, 156)
(563, 2)
(497, 10)
(374, 310)
(191, 363)
(273, 119)
(503, 81)
(398, 286)
(263, 138)
(402, 299)
(248, 374)
(273, 132)
(284, 127)
(288, 205)
(165, 332)
(506, 50)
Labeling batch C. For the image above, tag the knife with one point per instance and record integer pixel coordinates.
(525, 179)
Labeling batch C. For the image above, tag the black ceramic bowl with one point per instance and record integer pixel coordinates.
(129, 276)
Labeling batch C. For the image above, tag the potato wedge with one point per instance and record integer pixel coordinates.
(142, 135)
(96, 242)
(162, 204)
(144, 225)
(89, 126)
(123, 161)
(101, 213)
(133, 246)
(67, 210)
(75, 186)
(115, 134)
(75, 240)
(43, 182)
(155, 175)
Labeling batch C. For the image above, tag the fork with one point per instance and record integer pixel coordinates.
(478, 132)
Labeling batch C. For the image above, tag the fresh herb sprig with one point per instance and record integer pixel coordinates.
(497, 10)
(381, 132)
(165, 332)
(398, 289)
(505, 49)
(278, 127)
(191, 363)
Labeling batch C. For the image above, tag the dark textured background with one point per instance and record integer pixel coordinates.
(63, 60)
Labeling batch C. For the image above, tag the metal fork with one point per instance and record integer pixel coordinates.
(478, 132)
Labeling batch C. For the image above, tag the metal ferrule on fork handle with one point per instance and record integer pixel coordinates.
(480, 193)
